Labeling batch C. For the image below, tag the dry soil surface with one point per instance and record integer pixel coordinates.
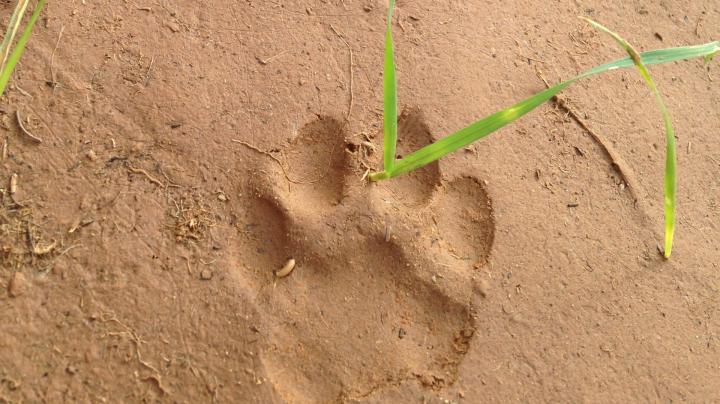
(189, 149)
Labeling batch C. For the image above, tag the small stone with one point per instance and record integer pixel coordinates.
(58, 268)
(91, 155)
(222, 197)
(174, 27)
(368, 8)
(18, 285)
(401, 333)
(206, 274)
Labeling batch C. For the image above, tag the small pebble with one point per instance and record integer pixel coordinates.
(91, 155)
(18, 285)
(401, 333)
(206, 274)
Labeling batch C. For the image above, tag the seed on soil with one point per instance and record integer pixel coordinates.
(18, 285)
(285, 270)
(13, 184)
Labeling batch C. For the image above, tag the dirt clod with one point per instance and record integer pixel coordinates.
(18, 285)
(482, 287)
(137, 148)
(206, 274)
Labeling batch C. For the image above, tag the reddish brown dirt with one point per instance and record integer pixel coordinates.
(191, 148)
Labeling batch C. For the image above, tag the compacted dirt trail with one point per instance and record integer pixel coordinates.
(189, 150)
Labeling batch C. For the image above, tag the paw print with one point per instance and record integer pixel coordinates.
(380, 294)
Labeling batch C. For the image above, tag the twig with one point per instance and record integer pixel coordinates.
(24, 130)
(49, 128)
(616, 161)
(54, 82)
(399, 21)
(146, 174)
(22, 91)
(697, 26)
(134, 337)
(352, 74)
(282, 166)
(271, 58)
(267, 153)
(147, 75)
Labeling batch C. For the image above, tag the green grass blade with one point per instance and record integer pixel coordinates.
(19, 47)
(496, 121)
(488, 125)
(390, 95)
(473, 132)
(670, 153)
(12, 28)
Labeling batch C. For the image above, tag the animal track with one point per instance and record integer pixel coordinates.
(314, 156)
(381, 292)
(465, 207)
(418, 186)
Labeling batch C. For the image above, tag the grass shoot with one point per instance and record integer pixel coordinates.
(670, 154)
(462, 138)
(11, 56)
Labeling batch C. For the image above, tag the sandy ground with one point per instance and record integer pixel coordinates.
(189, 149)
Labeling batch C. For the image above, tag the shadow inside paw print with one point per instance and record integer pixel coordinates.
(380, 294)
(315, 158)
